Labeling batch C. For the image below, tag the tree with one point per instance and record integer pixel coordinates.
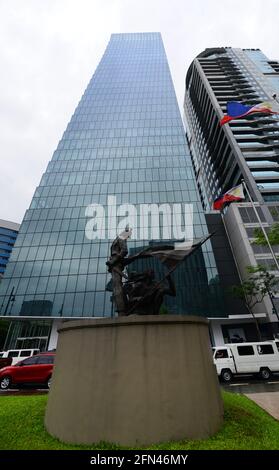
(163, 310)
(253, 290)
(273, 235)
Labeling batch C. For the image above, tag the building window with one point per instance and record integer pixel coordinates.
(248, 215)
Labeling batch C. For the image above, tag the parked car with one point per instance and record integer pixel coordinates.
(259, 358)
(5, 361)
(35, 370)
(18, 354)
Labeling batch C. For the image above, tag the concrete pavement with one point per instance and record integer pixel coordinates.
(264, 394)
(269, 401)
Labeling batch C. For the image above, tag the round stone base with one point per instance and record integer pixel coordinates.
(134, 381)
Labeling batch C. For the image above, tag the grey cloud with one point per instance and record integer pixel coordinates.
(49, 50)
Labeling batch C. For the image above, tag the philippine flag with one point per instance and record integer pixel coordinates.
(234, 194)
(237, 110)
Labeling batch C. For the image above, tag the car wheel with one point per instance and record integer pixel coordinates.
(226, 375)
(48, 383)
(5, 383)
(265, 373)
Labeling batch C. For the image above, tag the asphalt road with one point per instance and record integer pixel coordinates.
(243, 384)
(23, 391)
(248, 384)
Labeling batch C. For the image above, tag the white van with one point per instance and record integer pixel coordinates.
(18, 354)
(261, 358)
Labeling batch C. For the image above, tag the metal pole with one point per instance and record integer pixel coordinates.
(262, 227)
(231, 247)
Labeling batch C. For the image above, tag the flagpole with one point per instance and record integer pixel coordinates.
(230, 244)
(261, 225)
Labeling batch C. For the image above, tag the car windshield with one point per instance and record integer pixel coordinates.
(28, 362)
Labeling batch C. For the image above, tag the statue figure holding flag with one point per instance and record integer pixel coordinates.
(140, 293)
(144, 295)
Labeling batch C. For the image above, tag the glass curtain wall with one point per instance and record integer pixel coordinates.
(125, 139)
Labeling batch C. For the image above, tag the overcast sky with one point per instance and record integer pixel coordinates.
(49, 50)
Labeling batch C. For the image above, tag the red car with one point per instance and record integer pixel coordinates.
(34, 370)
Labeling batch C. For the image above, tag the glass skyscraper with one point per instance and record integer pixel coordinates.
(125, 139)
(8, 234)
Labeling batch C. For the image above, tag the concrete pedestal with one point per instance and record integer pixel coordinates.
(134, 380)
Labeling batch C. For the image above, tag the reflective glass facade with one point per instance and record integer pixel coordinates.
(125, 139)
(8, 234)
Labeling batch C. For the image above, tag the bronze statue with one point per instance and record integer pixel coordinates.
(139, 293)
(145, 296)
(116, 265)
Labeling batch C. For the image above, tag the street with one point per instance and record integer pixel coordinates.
(23, 391)
(244, 384)
(247, 384)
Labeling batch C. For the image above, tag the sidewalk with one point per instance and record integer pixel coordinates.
(269, 401)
